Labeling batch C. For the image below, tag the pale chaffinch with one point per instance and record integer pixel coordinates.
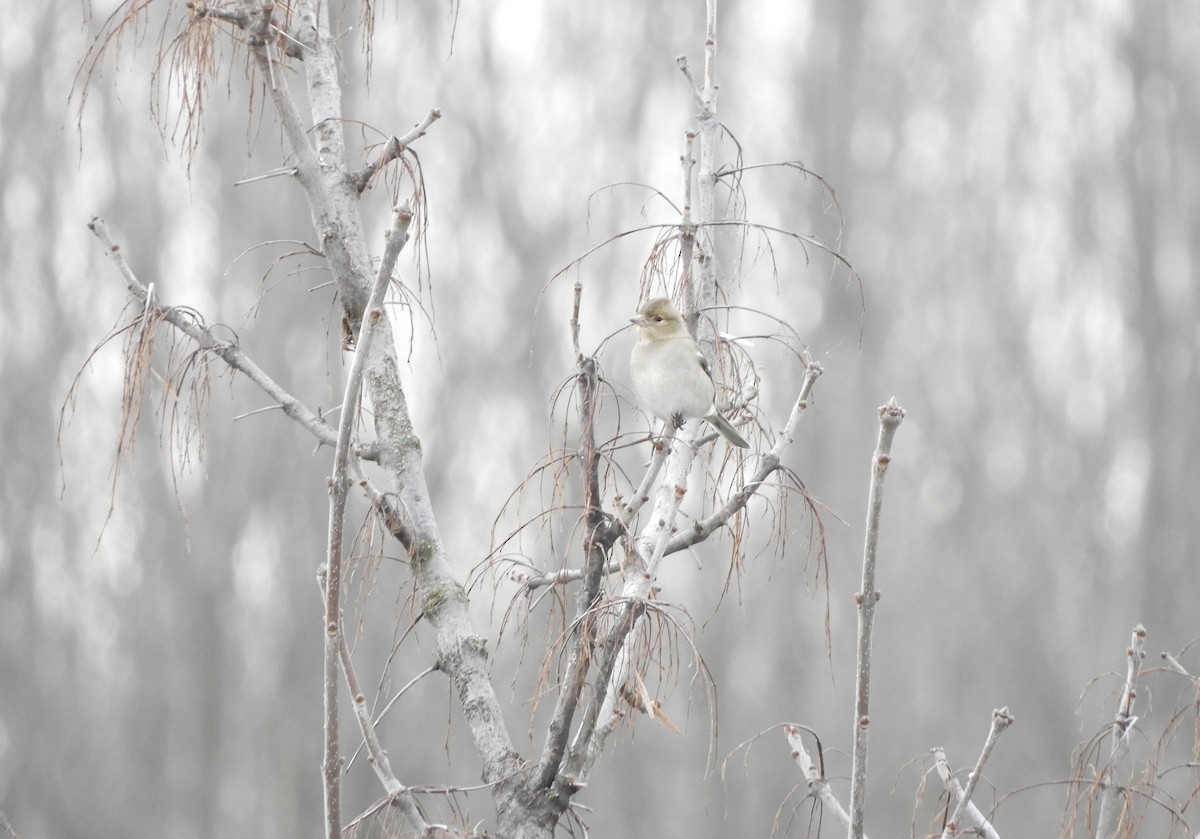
(670, 376)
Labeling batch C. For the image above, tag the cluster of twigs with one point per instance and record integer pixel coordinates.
(612, 643)
(621, 636)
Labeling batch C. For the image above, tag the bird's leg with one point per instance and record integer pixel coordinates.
(675, 425)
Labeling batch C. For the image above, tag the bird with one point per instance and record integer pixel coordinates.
(670, 375)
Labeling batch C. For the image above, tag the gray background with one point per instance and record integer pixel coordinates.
(1019, 184)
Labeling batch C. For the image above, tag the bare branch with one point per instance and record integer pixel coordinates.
(966, 815)
(562, 576)
(393, 149)
(1124, 723)
(814, 773)
(397, 235)
(329, 205)
(687, 238)
(642, 494)
(601, 715)
(397, 794)
(890, 417)
(392, 519)
(274, 173)
(600, 535)
(769, 464)
(237, 17)
(230, 353)
(709, 134)
(680, 447)
(321, 171)
(681, 61)
(1174, 665)
(390, 704)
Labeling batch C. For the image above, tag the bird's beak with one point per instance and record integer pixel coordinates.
(640, 320)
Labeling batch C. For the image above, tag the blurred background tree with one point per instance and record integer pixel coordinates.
(1019, 188)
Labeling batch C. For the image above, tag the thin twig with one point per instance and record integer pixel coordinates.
(562, 576)
(1173, 664)
(709, 135)
(814, 772)
(393, 148)
(274, 173)
(397, 793)
(390, 703)
(767, 466)
(966, 814)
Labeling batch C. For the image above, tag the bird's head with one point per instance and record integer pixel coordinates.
(658, 319)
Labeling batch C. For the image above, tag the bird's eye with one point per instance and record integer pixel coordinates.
(658, 318)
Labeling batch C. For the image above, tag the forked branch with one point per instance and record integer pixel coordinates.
(768, 465)
(814, 772)
(397, 235)
(393, 149)
(966, 816)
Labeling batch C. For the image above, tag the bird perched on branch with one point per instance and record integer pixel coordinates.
(670, 376)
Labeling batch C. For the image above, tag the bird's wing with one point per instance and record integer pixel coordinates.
(704, 364)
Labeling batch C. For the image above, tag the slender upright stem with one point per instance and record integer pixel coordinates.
(338, 489)
(890, 417)
(1135, 654)
(597, 542)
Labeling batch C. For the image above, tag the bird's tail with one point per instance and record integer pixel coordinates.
(727, 430)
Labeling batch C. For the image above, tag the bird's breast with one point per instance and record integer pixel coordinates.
(668, 379)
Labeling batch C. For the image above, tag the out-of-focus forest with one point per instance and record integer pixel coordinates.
(1019, 187)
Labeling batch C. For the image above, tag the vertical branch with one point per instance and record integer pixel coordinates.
(651, 549)
(598, 540)
(324, 89)
(339, 486)
(334, 206)
(333, 202)
(687, 236)
(1135, 654)
(706, 177)
(315, 134)
(651, 544)
(336, 220)
(890, 417)
(321, 170)
(397, 794)
(331, 763)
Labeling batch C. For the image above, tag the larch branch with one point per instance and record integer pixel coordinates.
(230, 353)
